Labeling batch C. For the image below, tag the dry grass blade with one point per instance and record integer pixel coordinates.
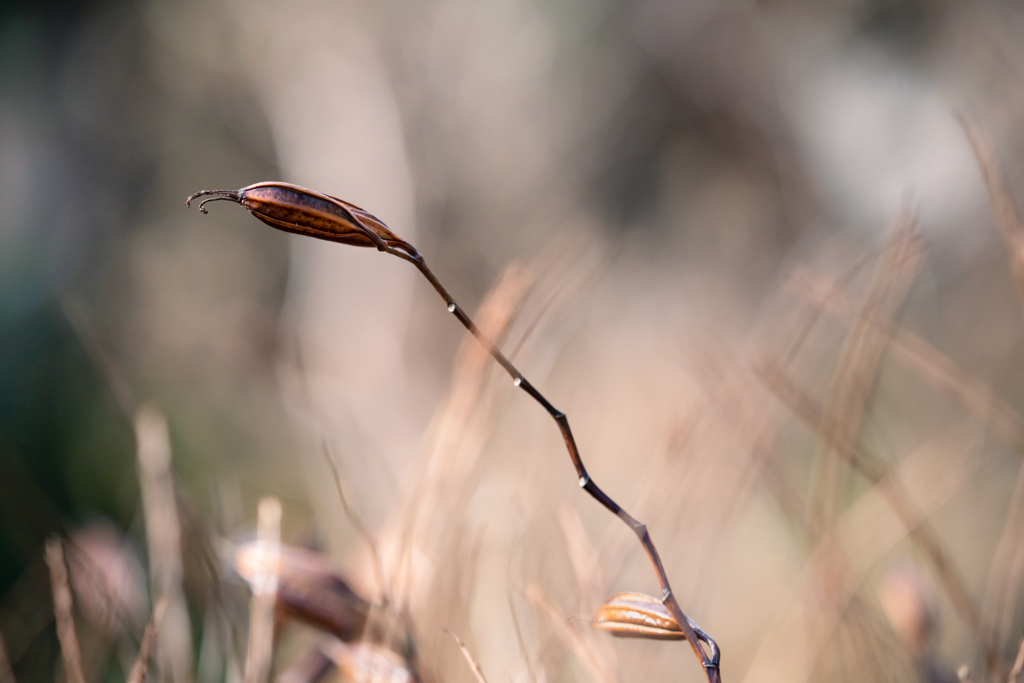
(853, 382)
(585, 562)
(357, 523)
(1007, 571)
(1004, 210)
(861, 537)
(69, 649)
(940, 371)
(477, 671)
(457, 432)
(1018, 664)
(931, 364)
(977, 398)
(519, 640)
(163, 536)
(264, 591)
(876, 472)
(588, 655)
(141, 665)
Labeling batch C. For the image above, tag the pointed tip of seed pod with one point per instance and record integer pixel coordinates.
(218, 195)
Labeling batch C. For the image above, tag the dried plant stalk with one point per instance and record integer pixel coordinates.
(477, 671)
(163, 535)
(861, 537)
(1004, 210)
(357, 524)
(876, 472)
(458, 431)
(69, 649)
(297, 210)
(585, 562)
(588, 655)
(1018, 664)
(931, 364)
(857, 368)
(141, 665)
(1007, 571)
(264, 592)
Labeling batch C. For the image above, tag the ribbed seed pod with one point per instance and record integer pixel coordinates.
(305, 212)
(635, 615)
(309, 590)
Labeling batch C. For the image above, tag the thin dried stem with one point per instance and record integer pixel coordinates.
(163, 536)
(917, 354)
(69, 649)
(357, 523)
(519, 640)
(295, 209)
(1018, 664)
(694, 635)
(264, 592)
(1004, 210)
(853, 382)
(477, 671)
(872, 468)
(585, 652)
(864, 534)
(584, 559)
(1007, 571)
(141, 665)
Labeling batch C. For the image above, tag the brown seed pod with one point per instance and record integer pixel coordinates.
(635, 615)
(309, 590)
(305, 212)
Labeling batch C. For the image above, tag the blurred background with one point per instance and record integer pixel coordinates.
(746, 247)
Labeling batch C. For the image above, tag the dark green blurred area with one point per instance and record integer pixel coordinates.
(66, 450)
(80, 170)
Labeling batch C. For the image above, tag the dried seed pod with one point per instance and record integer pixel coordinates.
(309, 590)
(635, 615)
(305, 212)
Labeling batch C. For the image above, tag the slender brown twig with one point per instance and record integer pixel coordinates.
(693, 632)
(297, 210)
